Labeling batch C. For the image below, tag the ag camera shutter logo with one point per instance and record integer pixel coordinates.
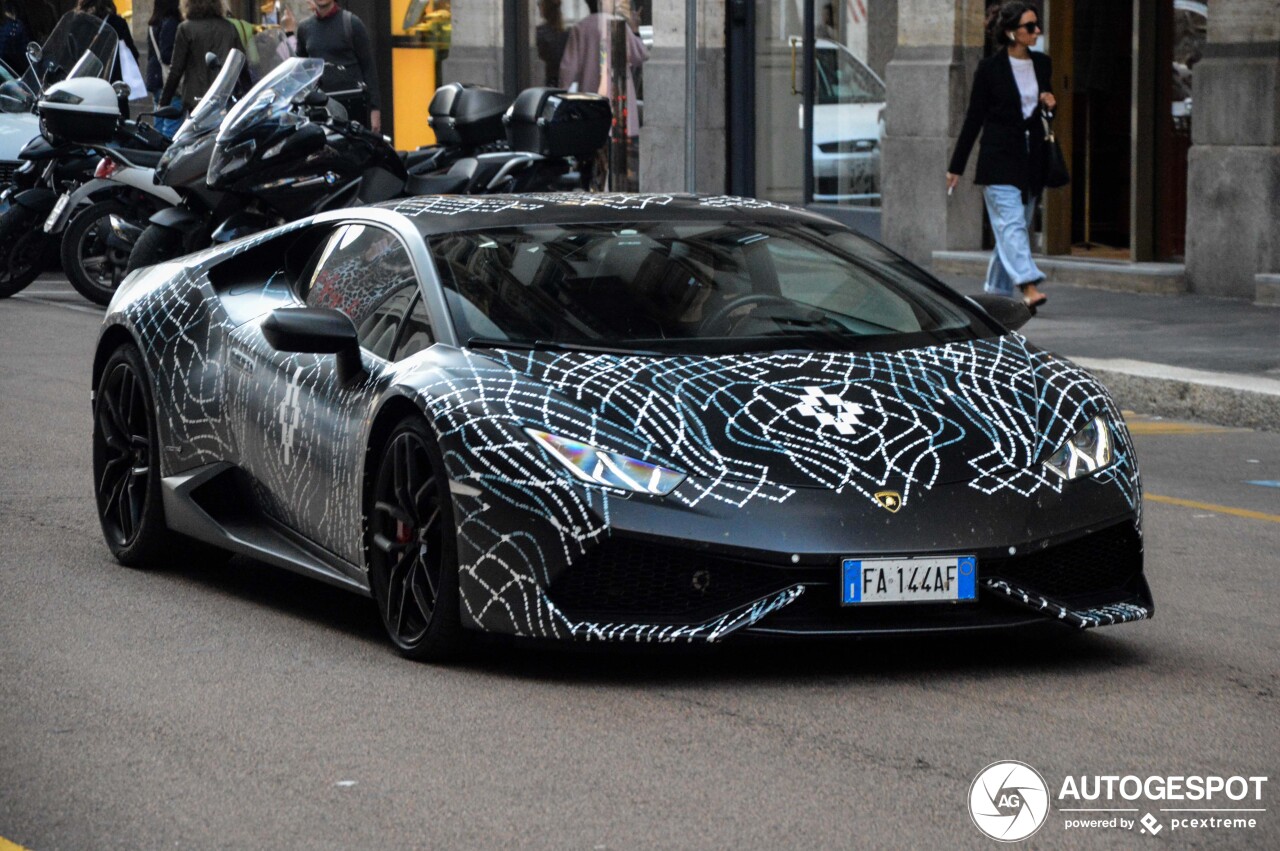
(1008, 801)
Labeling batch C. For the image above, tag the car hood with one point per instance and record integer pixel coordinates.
(984, 412)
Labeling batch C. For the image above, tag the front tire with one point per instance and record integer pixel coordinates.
(23, 248)
(156, 245)
(126, 462)
(86, 257)
(412, 546)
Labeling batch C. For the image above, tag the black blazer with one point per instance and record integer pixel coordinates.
(995, 108)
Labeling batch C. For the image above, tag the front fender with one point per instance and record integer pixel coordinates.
(176, 218)
(39, 200)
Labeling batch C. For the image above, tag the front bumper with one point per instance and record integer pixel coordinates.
(629, 589)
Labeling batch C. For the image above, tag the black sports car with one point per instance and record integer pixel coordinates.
(618, 417)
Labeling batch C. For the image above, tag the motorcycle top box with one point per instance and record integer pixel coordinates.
(83, 111)
(467, 115)
(557, 123)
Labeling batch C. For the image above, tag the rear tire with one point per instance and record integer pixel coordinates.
(156, 245)
(86, 257)
(23, 248)
(413, 546)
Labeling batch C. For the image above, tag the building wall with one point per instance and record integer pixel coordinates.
(1233, 194)
(662, 139)
(928, 82)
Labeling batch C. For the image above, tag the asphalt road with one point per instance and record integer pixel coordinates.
(242, 707)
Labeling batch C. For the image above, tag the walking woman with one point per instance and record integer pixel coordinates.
(162, 29)
(1010, 89)
(204, 29)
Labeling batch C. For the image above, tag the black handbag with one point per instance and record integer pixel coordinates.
(1056, 174)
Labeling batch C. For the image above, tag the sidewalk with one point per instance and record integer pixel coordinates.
(1187, 356)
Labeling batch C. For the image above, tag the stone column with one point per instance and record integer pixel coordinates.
(475, 51)
(928, 82)
(662, 139)
(1233, 179)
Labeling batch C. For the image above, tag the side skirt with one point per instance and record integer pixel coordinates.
(210, 504)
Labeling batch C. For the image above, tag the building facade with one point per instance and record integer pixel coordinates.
(1169, 112)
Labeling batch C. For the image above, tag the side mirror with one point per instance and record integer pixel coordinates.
(14, 97)
(34, 52)
(211, 61)
(170, 111)
(315, 97)
(1012, 313)
(316, 331)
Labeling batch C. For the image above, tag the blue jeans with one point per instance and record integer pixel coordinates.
(167, 126)
(1011, 262)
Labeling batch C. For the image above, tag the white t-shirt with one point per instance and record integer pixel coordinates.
(1024, 72)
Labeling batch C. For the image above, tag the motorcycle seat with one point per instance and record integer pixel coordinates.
(435, 184)
(135, 157)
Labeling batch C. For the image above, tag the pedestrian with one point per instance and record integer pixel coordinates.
(339, 38)
(106, 10)
(14, 37)
(585, 67)
(203, 30)
(162, 29)
(1010, 91)
(550, 37)
(827, 29)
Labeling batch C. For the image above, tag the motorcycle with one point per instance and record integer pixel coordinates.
(80, 115)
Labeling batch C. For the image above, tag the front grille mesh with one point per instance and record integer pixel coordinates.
(658, 584)
(1104, 561)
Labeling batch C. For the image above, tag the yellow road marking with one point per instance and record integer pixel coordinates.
(1149, 427)
(1219, 509)
(6, 845)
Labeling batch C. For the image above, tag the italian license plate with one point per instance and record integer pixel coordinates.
(909, 580)
(52, 222)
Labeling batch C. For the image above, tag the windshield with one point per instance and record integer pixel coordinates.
(76, 35)
(273, 96)
(212, 107)
(692, 287)
(844, 79)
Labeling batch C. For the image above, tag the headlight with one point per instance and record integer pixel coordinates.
(1085, 452)
(609, 469)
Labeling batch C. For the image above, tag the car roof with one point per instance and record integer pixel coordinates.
(437, 214)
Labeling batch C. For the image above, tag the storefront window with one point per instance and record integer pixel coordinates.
(848, 99)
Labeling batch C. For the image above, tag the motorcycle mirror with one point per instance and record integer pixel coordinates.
(305, 140)
(211, 61)
(170, 111)
(315, 97)
(34, 53)
(121, 89)
(14, 97)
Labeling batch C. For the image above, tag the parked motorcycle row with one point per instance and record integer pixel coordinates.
(105, 195)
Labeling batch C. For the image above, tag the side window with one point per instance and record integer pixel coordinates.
(416, 335)
(365, 272)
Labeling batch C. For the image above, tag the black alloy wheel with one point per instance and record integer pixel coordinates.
(412, 548)
(126, 471)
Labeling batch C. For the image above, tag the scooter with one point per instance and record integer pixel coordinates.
(79, 117)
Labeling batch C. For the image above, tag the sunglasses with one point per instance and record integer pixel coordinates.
(1029, 26)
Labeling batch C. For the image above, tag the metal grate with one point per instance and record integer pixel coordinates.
(1104, 561)
(657, 584)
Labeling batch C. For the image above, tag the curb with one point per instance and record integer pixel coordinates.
(1114, 275)
(1238, 401)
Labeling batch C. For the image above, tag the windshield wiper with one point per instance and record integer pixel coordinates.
(551, 346)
